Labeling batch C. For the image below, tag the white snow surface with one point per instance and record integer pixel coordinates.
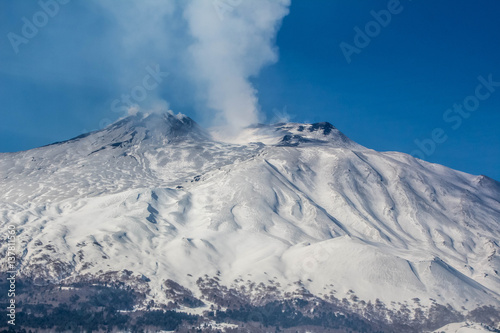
(464, 327)
(159, 196)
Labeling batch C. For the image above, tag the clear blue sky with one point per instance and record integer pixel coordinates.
(395, 90)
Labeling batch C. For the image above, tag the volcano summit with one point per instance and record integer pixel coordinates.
(294, 226)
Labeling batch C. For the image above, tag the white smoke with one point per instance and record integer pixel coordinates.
(230, 48)
(218, 44)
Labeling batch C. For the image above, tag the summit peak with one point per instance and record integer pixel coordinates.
(295, 134)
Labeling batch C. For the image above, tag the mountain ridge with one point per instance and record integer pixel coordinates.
(296, 211)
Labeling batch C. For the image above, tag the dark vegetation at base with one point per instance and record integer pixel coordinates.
(63, 319)
(90, 307)
(272, 317)
(285, 315)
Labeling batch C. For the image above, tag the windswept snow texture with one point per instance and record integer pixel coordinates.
(462, 328)
(158, 196)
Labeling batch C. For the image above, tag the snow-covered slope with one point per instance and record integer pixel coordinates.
(462, 328)
(298, 207)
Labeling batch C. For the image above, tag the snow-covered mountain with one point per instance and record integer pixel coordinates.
(292, 211)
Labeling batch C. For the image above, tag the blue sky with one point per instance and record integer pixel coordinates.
(394, 92)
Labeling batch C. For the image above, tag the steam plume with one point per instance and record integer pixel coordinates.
(231, 47)
(215, 46)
